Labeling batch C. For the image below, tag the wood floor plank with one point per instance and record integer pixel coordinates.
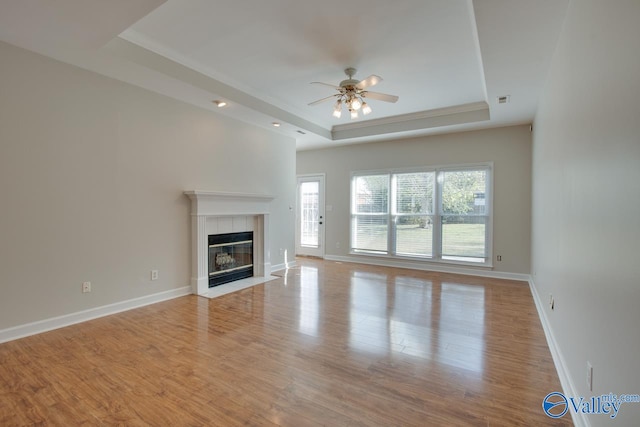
(326, 344)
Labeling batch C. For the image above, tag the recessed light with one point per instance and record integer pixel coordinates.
(276, 124)
(220, 103)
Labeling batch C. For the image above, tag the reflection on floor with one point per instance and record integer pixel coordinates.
(326, 344)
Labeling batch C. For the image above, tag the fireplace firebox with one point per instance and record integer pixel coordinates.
(230, 257)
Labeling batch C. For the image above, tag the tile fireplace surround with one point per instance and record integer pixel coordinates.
(218, 213)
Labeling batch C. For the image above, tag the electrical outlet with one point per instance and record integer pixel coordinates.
(86, 287)
(589, 376)
(499, 257)
(154, 274)
(338, 245)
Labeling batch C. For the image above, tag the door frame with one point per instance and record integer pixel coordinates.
(306, 251)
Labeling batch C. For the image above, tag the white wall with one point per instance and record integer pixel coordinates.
(92, 172)
(509, 148)
(586, 199)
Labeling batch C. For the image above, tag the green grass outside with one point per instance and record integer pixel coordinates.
(457, 239)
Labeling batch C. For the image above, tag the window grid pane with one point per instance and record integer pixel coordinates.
(372, 194)
(414, 235)
(463, 192)
(370, 233)
(464, 237)
(414, 193)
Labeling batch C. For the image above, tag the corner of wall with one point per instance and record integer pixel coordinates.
(568, 388)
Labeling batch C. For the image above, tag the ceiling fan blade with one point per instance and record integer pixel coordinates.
(380, 96)
(327, 84)
(319, 101)
(372, 80)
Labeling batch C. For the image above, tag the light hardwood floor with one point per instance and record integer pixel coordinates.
(327, 344)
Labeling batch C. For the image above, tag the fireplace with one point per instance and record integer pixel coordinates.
(230, 257)
(214, 213)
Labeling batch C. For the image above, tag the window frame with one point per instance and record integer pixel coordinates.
(437, 214)
(354, 213)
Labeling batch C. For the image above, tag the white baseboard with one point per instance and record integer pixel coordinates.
(45, 325)
(568, 388)
(283, 266)
(429, 267)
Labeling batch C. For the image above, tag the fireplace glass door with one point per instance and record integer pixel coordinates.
(230, 257)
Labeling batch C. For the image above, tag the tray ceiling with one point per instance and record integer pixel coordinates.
(448, 61)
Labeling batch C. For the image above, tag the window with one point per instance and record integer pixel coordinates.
(371, 213)
(440, 214)
(464, 215)
(413, 213)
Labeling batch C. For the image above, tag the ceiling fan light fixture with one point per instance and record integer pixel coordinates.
(220, 103)
(337, 110)
(351, 94)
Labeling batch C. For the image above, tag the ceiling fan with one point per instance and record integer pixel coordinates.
(352, 94)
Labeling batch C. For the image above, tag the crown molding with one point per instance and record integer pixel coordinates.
(456, 109)
(458, 114)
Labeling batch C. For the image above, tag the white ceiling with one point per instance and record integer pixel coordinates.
(447, 60)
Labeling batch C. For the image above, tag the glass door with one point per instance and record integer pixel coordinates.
(310, 216)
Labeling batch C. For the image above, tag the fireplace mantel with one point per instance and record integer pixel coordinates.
(221, 203)
(208, 205)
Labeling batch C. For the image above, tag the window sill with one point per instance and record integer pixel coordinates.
(483, 266)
